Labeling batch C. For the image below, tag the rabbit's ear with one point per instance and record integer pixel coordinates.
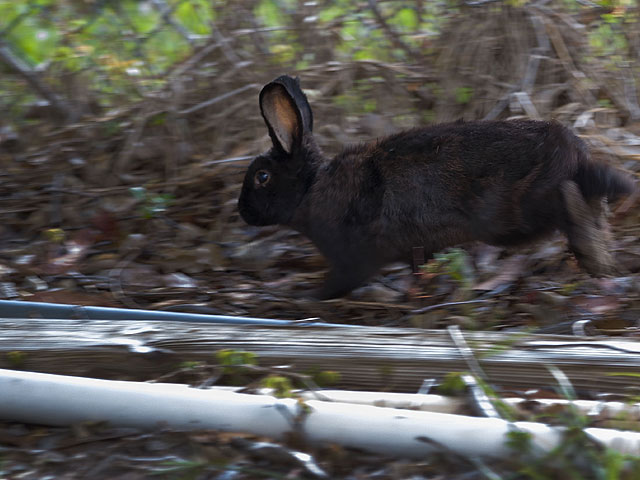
(286, 112)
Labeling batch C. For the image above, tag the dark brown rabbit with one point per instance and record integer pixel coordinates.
(502, 183)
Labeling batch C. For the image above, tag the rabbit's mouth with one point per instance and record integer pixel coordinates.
(250, 216)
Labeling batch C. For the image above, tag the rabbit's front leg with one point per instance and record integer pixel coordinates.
(343, 278)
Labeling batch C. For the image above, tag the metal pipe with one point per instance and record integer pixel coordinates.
(19, 309)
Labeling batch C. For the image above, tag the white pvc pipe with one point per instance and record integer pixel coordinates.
(444, 404)
(62, 400)
(413, 401)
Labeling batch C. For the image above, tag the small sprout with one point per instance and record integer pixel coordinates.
(452, 384)
(281, 386)
(385, 371)
(304, 408)
(16, 359)
(235, 357)
(158, 119)
(55, 235)
(232, 362)
(464, 94)
(151, 205)
(455, 263)
(326, 378)
(519, 441)
(190, 365)
(568, 288)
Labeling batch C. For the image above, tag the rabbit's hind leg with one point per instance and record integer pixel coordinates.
(587, 231)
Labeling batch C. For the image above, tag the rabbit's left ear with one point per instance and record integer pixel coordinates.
(286, 112)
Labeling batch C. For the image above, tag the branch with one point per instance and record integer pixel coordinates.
(391, 33)
(165, 11)
(16, 65)
(212, 101)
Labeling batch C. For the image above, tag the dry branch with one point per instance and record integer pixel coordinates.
(395, 39)
(62, 108)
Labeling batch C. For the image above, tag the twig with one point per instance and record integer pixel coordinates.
(132, 139)
(481, 401)
(217, 99)
(631, 93)
(499, 106)
(307, 380)
(115, 280)
(229, 160)
(19, 18)
(56, 199)
(224, 44)
(567, 61)
(472, 362)
(192, 61)
(538, 345)
(443, 305)
(36, 83)
(391, 33)
(259, 41)
(530, 75)
(165, 11)
(527, 105)
(419, 8)
(627, 204)
(479, 3)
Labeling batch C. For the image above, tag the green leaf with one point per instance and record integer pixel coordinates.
(16, 359)
(327, 378)
(452, 384)
(464, 94)
(331, 13)
(623, 374)
(519, 441)
(269, 12)
(406, 18)
(141, 16)
(195, 16)
(235, 357)
(455, 263)
(282, 387)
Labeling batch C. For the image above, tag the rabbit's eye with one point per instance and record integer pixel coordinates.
(262, 178)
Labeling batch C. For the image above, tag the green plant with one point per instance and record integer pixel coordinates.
(231, 359)
(190, 365)
(235, 365)
(282, 386)
(326, 378)
(576, 455)
(464, 94)
(16, 359)
(151, 205)
(452, 384)
(455, 263)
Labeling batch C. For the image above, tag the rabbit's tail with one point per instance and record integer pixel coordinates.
(597, 179)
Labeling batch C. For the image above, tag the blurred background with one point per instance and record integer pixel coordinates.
(189, 70)
(126, 126)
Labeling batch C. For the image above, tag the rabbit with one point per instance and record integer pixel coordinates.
(503, 183)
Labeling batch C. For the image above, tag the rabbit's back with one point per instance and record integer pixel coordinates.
(496, 182)
(467, 158)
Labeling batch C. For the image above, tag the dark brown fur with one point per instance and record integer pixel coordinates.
(503, 183)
